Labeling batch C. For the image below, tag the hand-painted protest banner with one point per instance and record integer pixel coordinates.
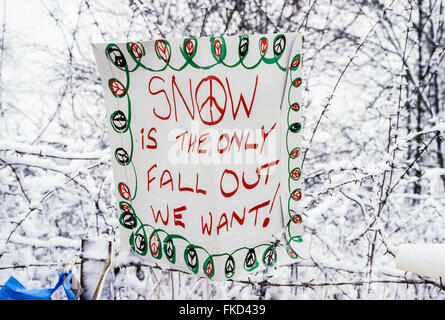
(205, 140)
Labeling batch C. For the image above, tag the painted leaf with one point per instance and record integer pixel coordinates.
(296, 173)
(295, 62)
(263, 45)
(295, 106)
(297, 219)
(137, 50)
(297, 82)
(117, 88)
(209, 267)
(163, 50)
(189, 47)
(296, 194)
(295, 153)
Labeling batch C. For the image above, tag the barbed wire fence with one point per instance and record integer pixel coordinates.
(399, 45)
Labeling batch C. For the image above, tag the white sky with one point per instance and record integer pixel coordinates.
(32, 17)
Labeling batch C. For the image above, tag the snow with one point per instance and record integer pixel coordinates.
(47, 151)
(96, 249)
(424, 259)
(49, 243)
(58, 190)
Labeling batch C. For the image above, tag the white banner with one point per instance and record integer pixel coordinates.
(205, 141)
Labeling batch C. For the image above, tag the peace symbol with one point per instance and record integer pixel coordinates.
(192, 258)
(250, 258)
(210, 102)
(229, 268)
(295, 153)
(270, 256)
(279, 44)
(296, 219)
(154, 244)
(295, 106)
(263, 45)
(136, 49)
(128, 220)
(295, 127)
(296, 194)
(209, 268)
(169, 250)
(243, 46)
(119, 121)
(297, 82)
(291, 252)
(295, 62)
(296, 174)
(124, 191)
(117, 88)
(122, 156)
(140, 242)
(217, 48)
(116, 57)
(125, 206)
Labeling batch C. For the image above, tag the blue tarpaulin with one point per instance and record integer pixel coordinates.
(14, 290)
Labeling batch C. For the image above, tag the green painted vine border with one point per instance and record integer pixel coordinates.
(121, 124)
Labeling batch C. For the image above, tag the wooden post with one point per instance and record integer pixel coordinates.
(97, 257)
